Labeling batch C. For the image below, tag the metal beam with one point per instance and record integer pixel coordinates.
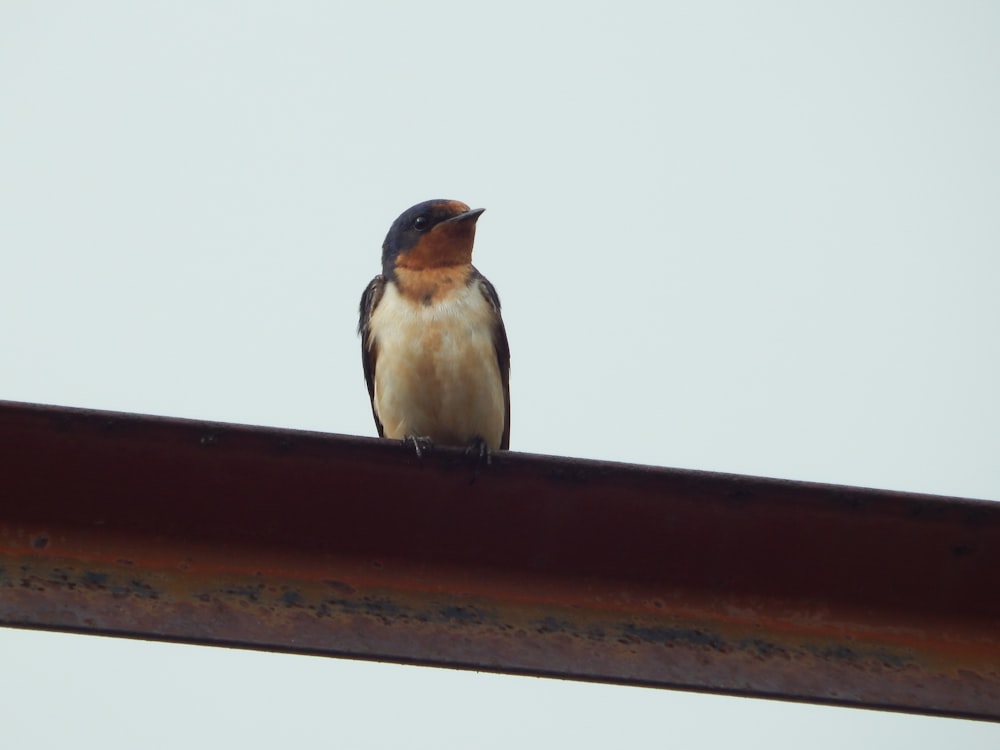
(324, 544)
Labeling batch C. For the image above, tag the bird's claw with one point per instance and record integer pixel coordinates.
(420, 443)
(480, 452)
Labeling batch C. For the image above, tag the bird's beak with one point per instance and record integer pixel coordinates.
(470, 215)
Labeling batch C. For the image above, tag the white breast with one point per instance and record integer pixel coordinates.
(437, 374)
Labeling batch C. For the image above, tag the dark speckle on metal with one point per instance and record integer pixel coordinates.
(293, 541)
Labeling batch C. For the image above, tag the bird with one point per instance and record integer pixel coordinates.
(433, 344)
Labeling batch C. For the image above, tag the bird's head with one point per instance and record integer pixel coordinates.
(432, 234)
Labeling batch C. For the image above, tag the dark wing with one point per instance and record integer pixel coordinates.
(503, 354)
(369, 352)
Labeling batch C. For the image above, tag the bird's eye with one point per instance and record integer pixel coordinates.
(420, 223)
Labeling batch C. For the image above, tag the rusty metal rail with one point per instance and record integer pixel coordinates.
(294, 541)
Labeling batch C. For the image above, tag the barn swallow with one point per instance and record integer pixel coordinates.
(433, 344)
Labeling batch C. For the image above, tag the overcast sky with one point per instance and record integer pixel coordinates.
(761, 238)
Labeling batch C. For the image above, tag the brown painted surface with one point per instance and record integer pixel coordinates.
(293, 541)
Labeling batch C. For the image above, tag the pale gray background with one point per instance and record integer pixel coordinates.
(752, 237)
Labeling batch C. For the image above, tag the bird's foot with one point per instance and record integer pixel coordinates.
(420, 443)
(480, 451)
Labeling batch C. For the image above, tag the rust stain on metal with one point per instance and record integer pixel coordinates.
(322, 544)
